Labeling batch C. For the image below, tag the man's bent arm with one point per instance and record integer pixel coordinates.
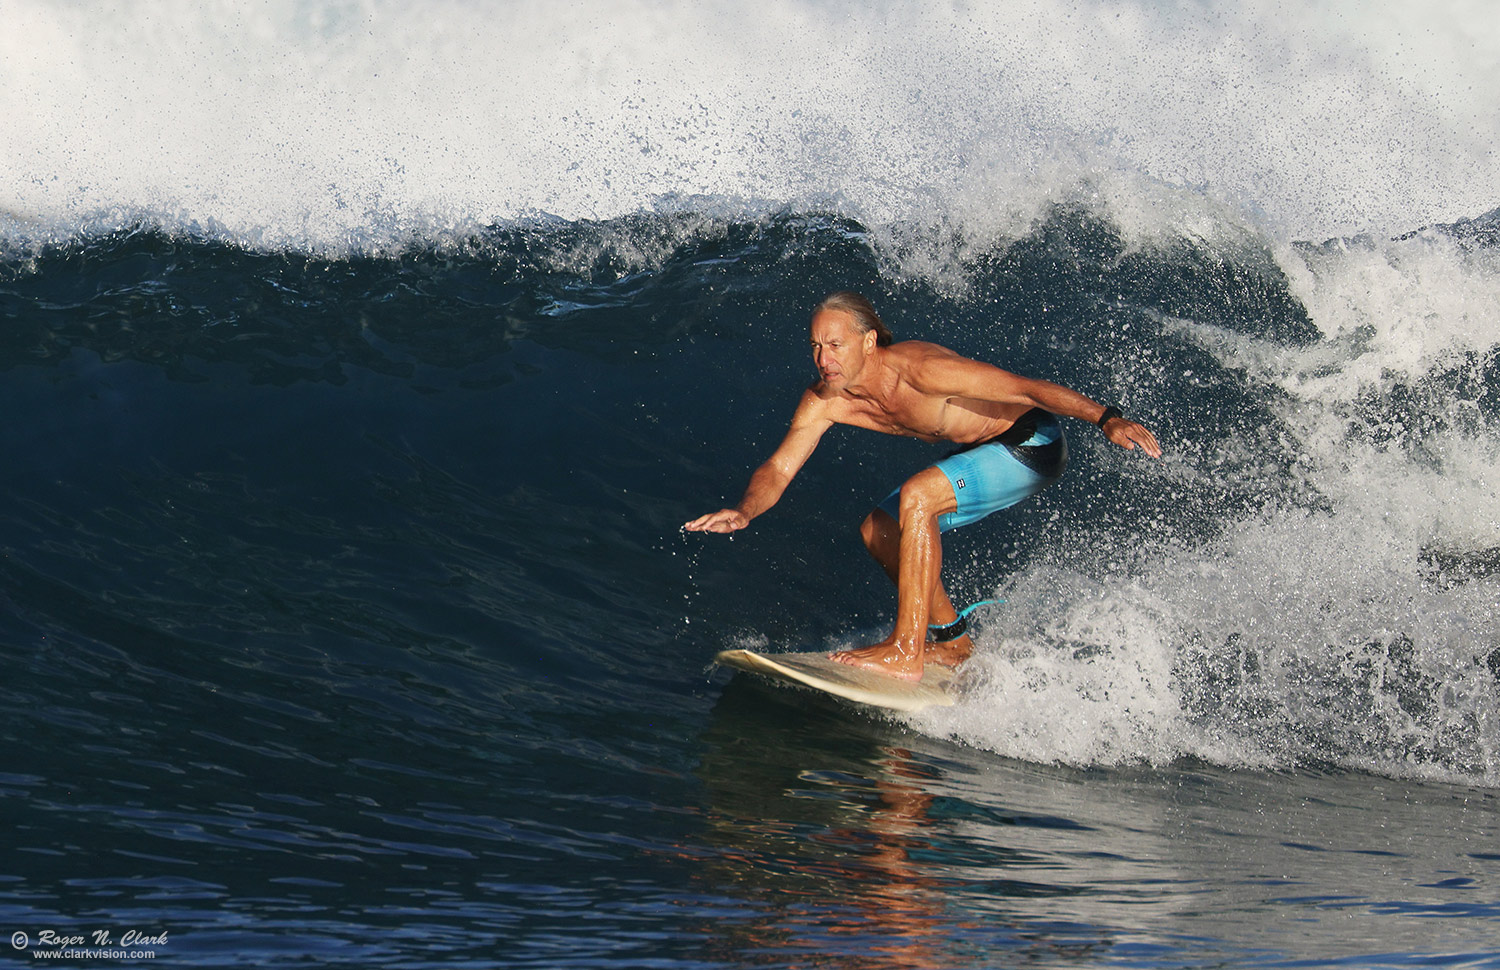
(770, 480)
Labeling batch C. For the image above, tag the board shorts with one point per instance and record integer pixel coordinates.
(998, 473)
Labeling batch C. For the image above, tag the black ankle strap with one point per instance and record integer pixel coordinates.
(960, 626)
(954, 630)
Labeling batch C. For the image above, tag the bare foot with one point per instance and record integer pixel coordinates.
(886, 658)
(950, 653)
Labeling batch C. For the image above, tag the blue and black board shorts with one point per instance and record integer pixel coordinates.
(998, 473)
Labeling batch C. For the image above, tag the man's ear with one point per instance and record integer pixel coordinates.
(871, 339)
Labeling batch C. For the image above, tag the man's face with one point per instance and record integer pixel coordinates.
(839, 349)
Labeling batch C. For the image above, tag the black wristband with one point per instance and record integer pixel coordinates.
(1109, 412)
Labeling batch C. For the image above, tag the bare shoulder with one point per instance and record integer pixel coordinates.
(919, 351)
(817, 404)
(932, 367)
(919, 355)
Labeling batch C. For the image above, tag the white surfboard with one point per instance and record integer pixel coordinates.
(871, 687)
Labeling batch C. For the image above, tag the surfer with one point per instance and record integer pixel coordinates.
(1011, 447)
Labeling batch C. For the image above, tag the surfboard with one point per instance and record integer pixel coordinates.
(870, 687)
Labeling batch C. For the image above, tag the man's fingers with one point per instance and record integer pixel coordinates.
(722, 521)
(1148, 442)
(1133, 434)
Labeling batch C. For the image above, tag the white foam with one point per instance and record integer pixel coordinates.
(1308, 632)
(339, 124)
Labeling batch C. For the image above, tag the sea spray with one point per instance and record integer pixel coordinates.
(1351, 618)
(352, 127)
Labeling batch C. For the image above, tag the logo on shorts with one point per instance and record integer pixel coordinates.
(959, 483)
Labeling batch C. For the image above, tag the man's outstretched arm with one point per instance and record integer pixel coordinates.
(971, 378)
(770, 480)
(1065, 401)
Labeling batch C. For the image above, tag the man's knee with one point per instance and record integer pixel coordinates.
(926, 495)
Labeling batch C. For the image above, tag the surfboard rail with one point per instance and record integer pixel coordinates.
(870, 687)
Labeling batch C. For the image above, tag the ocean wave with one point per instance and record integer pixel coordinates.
(1306, 578)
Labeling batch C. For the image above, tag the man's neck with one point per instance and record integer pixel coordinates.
(876, 379)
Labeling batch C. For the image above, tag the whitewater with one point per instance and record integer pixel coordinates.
(331, 125)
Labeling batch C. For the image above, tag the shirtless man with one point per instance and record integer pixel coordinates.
(1011, 447)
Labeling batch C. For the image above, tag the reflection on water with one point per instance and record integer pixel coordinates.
(842, 839)
(839, 832)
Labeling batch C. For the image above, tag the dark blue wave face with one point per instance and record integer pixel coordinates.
(486, 451)
(352, 574)
(511, 433)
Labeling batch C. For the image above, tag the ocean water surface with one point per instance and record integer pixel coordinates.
(359, 365)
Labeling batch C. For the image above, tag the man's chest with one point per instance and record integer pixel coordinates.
(905, 413)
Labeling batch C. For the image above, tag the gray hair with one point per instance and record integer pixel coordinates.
(863, 312)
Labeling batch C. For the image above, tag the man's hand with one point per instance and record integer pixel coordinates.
(724, 520)
(1127, 434)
